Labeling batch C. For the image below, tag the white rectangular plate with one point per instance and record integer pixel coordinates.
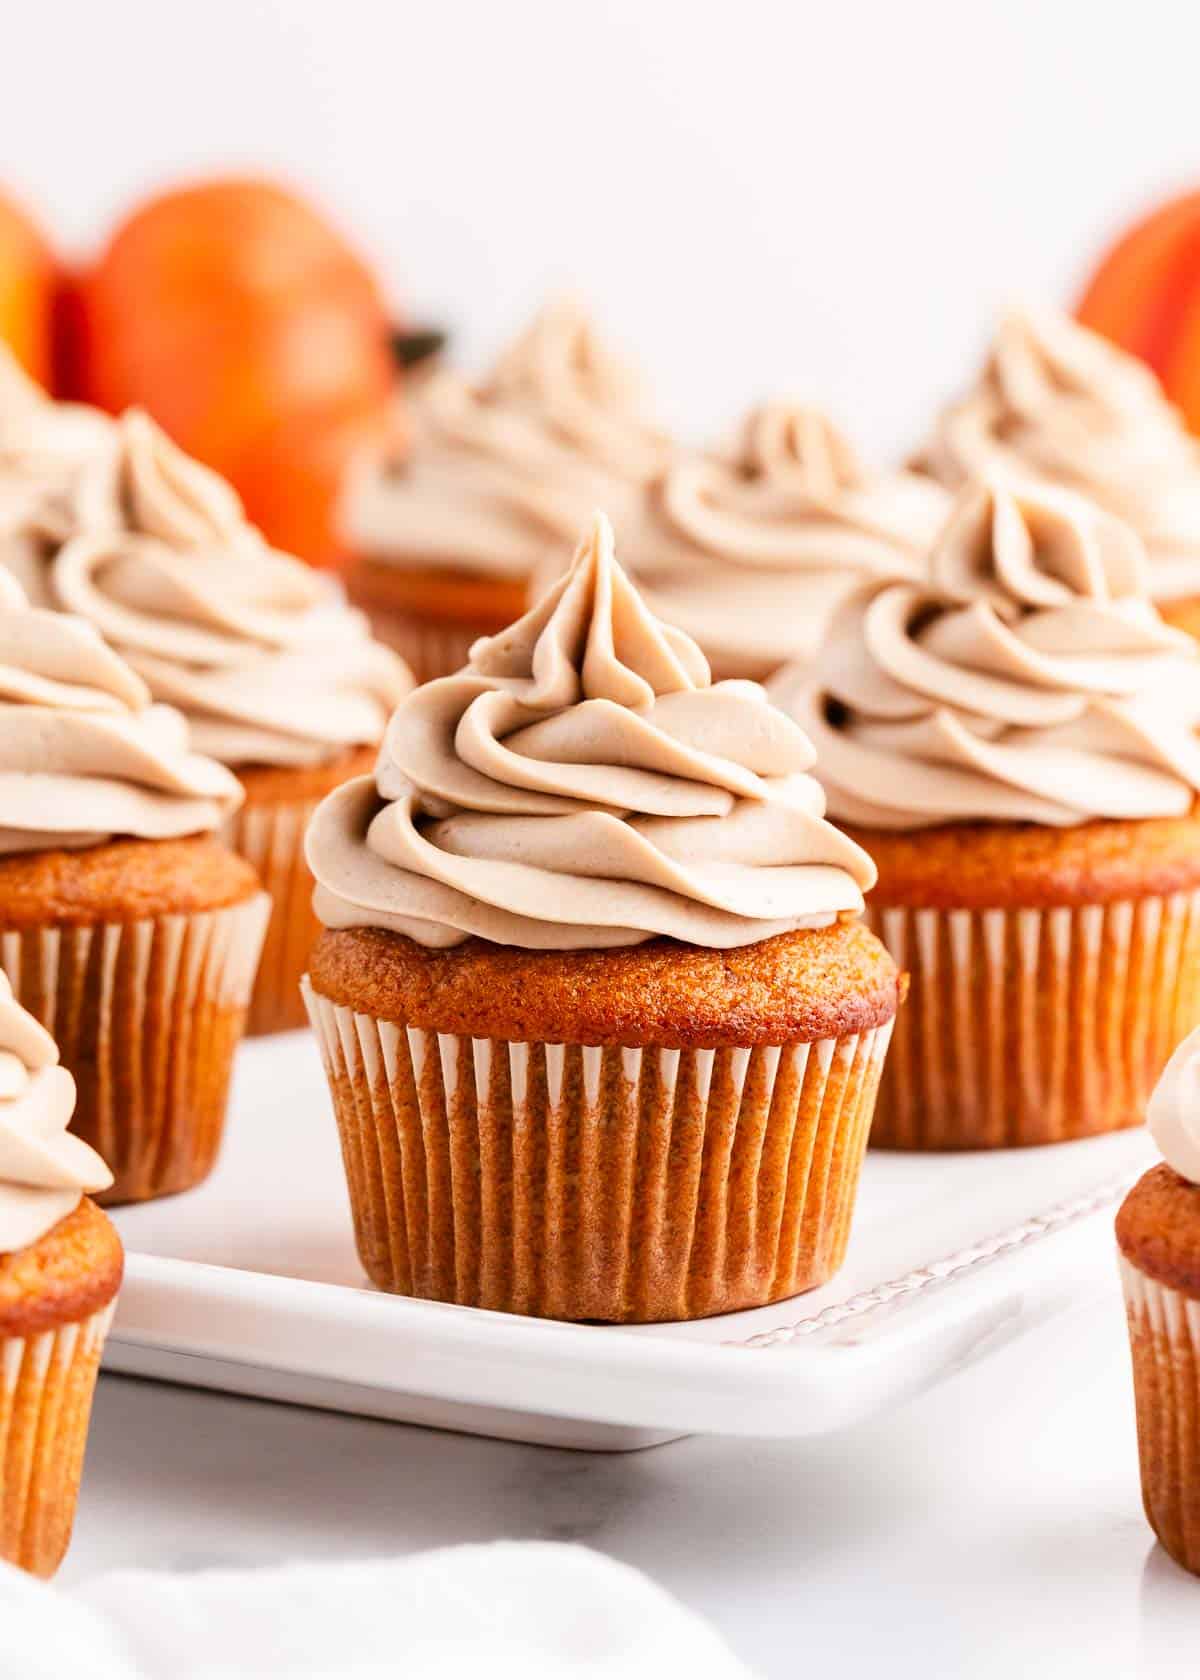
(252, 1284)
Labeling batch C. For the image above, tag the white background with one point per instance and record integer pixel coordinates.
(828, 198)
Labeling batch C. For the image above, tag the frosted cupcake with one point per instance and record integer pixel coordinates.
(44, 446)
(602, 1027)
(1016, 743)
(492, 483)
(60, 1270)
(751, 553)
(126, 928)
(1058, 402)
(277, 677)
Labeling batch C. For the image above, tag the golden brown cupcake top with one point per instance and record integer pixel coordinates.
(1028, 680)
(260, 653)
(1057, 402)
(581, 782)
(1158, 1229)
(84, 755)
(44, 1169)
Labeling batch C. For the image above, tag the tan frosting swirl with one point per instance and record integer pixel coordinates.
(83, 754)
(261, 654)
(498, 478)
(1059, 402)
(1029, 680)
(750, 553)
(1173, 1112)
(44, 1170)
(581, 783)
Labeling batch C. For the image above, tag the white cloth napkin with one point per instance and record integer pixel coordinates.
(514, 1608)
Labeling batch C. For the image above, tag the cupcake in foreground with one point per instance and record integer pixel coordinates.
(1158, 1235)
(277, 677)
(1016, 743)
(601, 1023)
(60, 1269)
(492, 482)
(751, 553)
(1057, 402)
(126, 928)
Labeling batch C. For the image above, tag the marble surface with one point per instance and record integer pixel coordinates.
(991, 1528)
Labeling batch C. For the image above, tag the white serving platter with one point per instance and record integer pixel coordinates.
(251, 1284)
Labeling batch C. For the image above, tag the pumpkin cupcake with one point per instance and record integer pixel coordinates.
(601, 1024)
(126, 927)
(750, 553)
(1059, 403)
(278, 678)
(60, 1270)
(1016, 743)
(492, 481)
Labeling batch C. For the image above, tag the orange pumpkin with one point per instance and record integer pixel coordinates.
(230, 310)
(1145, 296)
(27, 281)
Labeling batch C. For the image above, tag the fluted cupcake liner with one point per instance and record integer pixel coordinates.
(622, 1185)
(46, 1387)
(1034, 1026)
(430, 647)
(271, 839)
(147, 1016)
(1164, 1336)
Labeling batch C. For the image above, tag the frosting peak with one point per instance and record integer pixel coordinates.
(752, 551)
(1173, 1112)
(1057, 403)
(1028, 680)
(83, 753)
(44, 1169)
(582, 783)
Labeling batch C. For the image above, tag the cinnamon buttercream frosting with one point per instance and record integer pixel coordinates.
(261, 654)
(1173, 1112)
(497, 477)
(581, 782)
(1029, 680)
(751, 552)
(44, 1169)
(1060, 403)
(84, 755)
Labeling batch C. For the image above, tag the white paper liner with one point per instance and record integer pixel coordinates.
(568, 1181)
(1164, 1333)
(148, 1015)
(46, 1387)
(271, 839)
(1034, 1026)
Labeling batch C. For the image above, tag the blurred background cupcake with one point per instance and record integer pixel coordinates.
(1062, 405)
(750, 552)
(1015, 743)
(126, 927)
(278, 678)
(490, 484)
(1158, 1235)
(60, 1269)
(601, 1024)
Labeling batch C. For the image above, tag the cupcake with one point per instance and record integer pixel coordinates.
(278, 678)
(1057, 402)
(126, 927)
(493, 482)
(601, 1024)
(1015, 741)
(751, 552)
(60, 1269)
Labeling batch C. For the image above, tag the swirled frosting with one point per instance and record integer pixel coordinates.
(1173, 1112)
(84, 755)
(750, 553)
(1029, 680)
(1058, 402)
(582, 783)
(497, 478)
(260, 653)
(44, 1169)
